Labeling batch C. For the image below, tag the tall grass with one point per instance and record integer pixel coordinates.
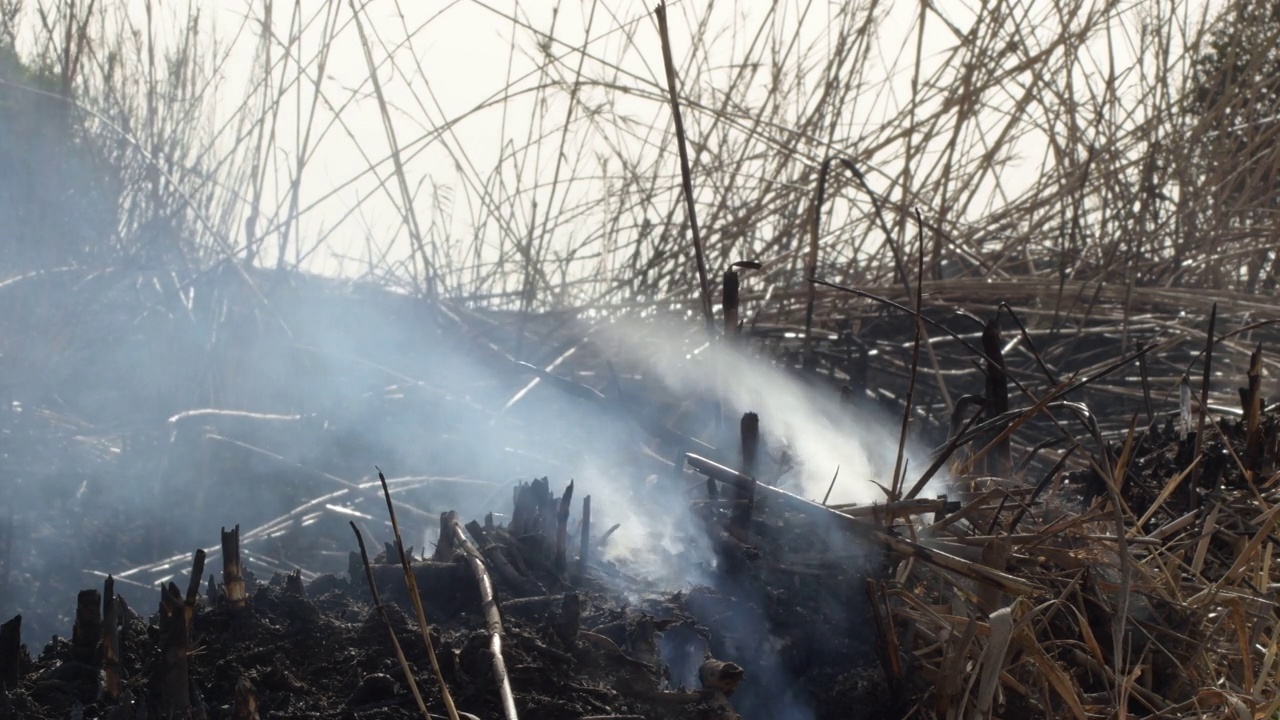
(1052, 138)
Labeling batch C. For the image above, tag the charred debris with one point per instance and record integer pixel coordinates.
(1081, 537)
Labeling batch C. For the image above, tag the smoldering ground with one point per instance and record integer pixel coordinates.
(323, 382)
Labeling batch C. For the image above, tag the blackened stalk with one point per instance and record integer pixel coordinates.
(686, 174)
(86, 634)
(729, 302)
(411, 580)
(1253, 412)
(382, 612)
(175, 694)
(860, 528)
(1192, 498)
(10, 652)
(561, 561)
(749, 431)
(193, 585)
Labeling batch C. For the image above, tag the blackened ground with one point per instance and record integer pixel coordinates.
(324, 653)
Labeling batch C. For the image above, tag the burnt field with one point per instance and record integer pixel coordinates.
(611, 518)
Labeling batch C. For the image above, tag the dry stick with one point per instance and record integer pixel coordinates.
(584, 548)
(940, 457)
(493, 620)
(1040, 486)
(900, 508)
(1204, 406)
(1026, 337)
(1146, 387)
(412, 581)
(1120, 621)
(899, 470)
(410, 216)
(997, 402)
(686, 175)
(1005, 582)
(815, 230)
(834, 476)
(382, 611)
(811, 266)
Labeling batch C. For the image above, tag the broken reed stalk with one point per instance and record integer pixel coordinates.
(111, 668)
(560, 563)
(686, 174)
(729, 303)
(1003, 581)
(493, 621)
(382, 612)
(584, 547)
(232, 570)
(412, 583)
(193, 585)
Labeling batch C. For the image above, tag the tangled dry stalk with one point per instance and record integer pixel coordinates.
(1104, 267)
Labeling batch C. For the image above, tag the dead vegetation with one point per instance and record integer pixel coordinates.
(1084, 348)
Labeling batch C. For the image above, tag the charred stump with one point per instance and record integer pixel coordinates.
(171, 671)
(86, 634)
(112, 670)
(232, 570)
(10, 653)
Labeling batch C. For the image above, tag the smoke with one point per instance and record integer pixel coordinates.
(824, 439)
(332, 382)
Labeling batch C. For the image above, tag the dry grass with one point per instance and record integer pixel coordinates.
(1024, 134)
(1133, 225)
